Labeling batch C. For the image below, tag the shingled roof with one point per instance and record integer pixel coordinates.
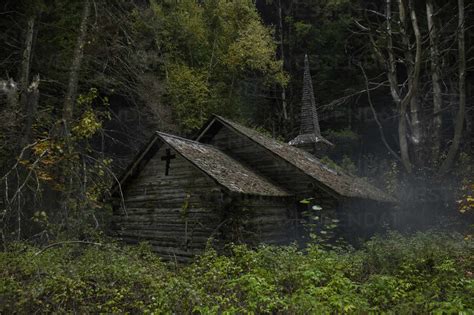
(341, 183)
(222, 168)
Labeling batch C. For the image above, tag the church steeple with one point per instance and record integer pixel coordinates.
(310, 137)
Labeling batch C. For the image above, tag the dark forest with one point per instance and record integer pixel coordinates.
(91, 91)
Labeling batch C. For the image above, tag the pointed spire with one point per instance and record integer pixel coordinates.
(310, 132)
(309, 116)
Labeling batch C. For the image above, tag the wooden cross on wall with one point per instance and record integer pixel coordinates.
(168, 157)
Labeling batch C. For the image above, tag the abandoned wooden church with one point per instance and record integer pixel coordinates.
(233, 183)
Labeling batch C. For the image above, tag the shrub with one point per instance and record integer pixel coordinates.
(423, 273)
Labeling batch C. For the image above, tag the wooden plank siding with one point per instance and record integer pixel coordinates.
(155, 207)
(273, 221)
(254, 220)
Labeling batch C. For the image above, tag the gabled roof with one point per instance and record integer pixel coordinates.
(339, 182)
(222, 168)
(226, 171)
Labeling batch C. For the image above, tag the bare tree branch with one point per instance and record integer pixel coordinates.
(382, 134)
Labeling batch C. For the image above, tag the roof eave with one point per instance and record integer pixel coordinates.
(309, 139)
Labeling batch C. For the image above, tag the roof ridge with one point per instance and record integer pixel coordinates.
(172, 135)
(160, 133)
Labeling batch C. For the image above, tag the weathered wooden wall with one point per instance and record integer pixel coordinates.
(175, 213)
(254, 220)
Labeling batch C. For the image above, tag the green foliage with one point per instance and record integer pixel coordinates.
(321, 29)
(345, 165)
(466, 191)
(190, 97)
(319, 225)
(62, 162)
(425, 273)
(208, 51)
(342, 135)
(348, 165)
(391, 178)
(253, 51)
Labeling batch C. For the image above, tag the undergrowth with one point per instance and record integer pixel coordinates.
(425, 273)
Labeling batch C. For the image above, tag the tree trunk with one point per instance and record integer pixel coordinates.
(392, 67)
(26, 61)
(68, 108)
(453, 149)
(75, 68)
(435, 79)
(414, 78)
(29, 93)
(402, 138)
(282, 53)
(402, 103)
(413, 119)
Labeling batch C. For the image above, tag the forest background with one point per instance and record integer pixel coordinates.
(84, 84)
